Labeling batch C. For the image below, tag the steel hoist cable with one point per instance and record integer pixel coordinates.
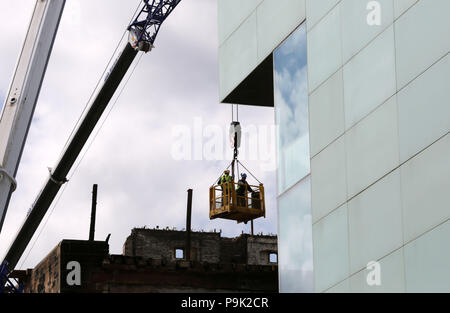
(108, 65)
(237, 112)
(239, 162)
(146, 24)
(81, 160)
(215, 182)
(95, 136)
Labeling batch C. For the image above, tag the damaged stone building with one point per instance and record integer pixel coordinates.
(157, 261)
(208, 247)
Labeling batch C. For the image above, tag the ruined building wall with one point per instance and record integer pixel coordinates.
(49, 276)
(161, 244)
(101, 272)
(259, 248)
(133, 274)
(45, 277)
(233, 250)
(205, 246)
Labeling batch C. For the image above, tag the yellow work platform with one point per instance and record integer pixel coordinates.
(226, 203)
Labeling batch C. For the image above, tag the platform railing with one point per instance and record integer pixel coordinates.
(225, 196)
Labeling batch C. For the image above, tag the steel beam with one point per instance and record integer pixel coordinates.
(18, 109)
(147, 25)
(69, 156)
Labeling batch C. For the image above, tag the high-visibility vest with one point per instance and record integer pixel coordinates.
(225, 179)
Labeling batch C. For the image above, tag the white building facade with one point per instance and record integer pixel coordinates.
(361, 94)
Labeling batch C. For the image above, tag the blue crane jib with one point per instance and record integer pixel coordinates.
(145, 28)
(143, 32)
(7, 284)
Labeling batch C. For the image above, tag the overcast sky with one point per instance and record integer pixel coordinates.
(140, 182)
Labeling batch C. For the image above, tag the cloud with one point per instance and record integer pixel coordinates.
(139, 182)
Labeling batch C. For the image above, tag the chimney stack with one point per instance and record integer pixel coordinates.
(93, 212)
(188, 225)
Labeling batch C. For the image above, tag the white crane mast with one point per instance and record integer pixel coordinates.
(18, 109)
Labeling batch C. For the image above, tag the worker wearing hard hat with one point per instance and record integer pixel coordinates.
(225, 177)
(226, 188)
(242, 190)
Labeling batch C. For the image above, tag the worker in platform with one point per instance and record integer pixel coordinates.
(226, 188)
(242, 190)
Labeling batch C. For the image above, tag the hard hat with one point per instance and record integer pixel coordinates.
(243, 175)
(226, 172)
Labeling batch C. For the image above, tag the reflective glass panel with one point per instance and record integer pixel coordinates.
(295, 257)
(291, 109)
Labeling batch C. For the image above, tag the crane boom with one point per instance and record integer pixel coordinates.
(143, 34)
(23, 93)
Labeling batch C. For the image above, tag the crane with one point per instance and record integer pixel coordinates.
(23, 93)
(142, 34)
(234, 200)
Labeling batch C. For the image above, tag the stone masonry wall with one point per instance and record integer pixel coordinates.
(205, 246)
(161, 244)
(259, 248)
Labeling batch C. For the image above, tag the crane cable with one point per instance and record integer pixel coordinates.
(100, 78)
(221, 175)
(81, 160)
(239, 162)
(237, 112)
(95, 136)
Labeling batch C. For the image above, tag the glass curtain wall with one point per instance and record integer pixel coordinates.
(295, 262)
